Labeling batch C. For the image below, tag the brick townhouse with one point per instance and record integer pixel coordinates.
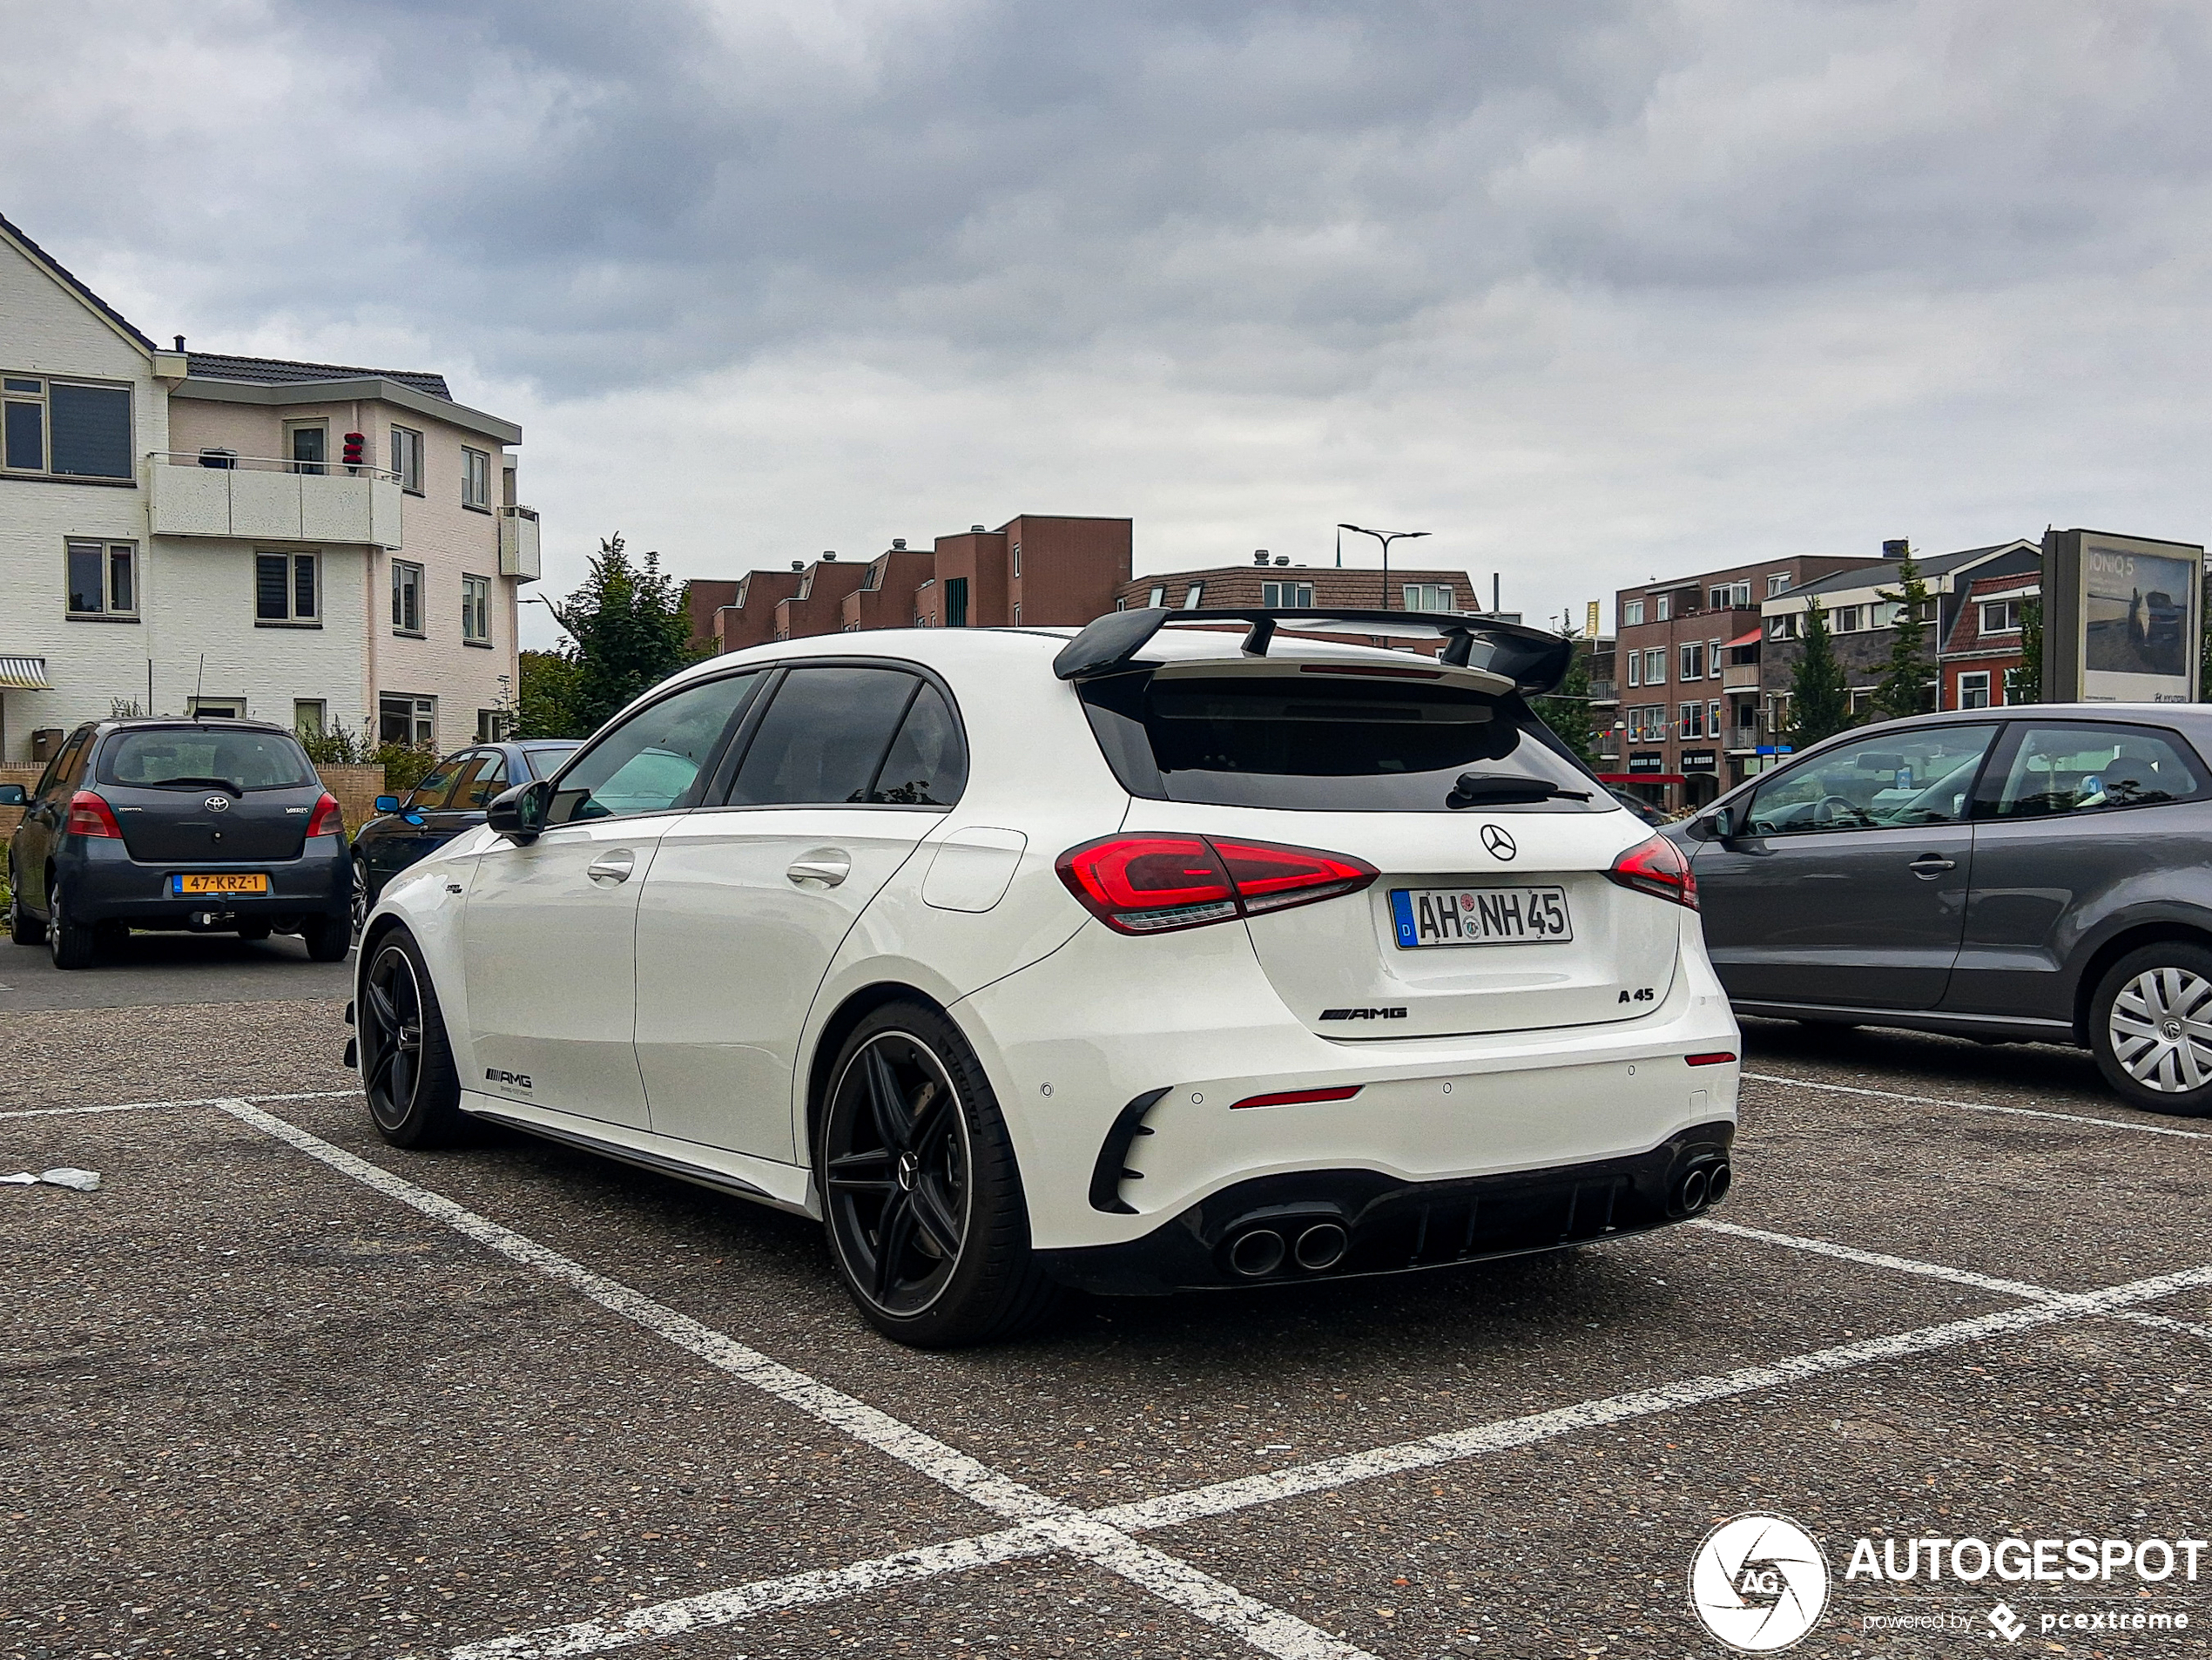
(1981, 653)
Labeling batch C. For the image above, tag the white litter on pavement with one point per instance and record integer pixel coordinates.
(85, 1181)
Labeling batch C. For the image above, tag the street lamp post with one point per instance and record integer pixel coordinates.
(1385, 538)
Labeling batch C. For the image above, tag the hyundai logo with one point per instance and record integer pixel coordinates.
(1497, 842)
(217, 803)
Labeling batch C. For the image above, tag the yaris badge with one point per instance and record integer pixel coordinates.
(1498, 842)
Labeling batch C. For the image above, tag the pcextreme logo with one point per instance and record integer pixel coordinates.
(1758, 1582)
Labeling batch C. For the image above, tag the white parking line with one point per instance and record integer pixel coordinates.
(170, 1106)
(1266, 1628)
(1983, 1106)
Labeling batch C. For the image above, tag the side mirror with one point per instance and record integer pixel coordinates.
(11, 795)
(1722, 824)
(387, 804)
(519, 813)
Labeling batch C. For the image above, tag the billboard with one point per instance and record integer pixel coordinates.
(2124, 618)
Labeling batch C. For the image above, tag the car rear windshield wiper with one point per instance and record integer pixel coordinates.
(234, 787)
(1478, 789)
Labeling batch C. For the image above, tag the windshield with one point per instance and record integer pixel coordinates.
(203, 758)
(1332, 742)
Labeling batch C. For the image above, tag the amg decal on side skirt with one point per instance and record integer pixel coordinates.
(518, 1080)
(1363, 1014)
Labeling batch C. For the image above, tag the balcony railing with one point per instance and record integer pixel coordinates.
(518, 542)
(1740, 676)
(1604, 692)
(261, 498)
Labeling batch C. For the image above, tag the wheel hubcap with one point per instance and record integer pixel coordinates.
(897, 1164)
(392, 1034)
(2161, 1028)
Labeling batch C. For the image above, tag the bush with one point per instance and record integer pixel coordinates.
(405, 765)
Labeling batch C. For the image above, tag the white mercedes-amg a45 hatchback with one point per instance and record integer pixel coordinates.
(1190, 950)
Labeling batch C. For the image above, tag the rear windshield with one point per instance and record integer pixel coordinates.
(1332, 743)
(199, 758)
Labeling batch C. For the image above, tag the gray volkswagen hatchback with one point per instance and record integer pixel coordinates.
(2041, 873)
(210, 825)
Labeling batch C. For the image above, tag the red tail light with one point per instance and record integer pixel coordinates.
(1656, 867)
(1296, 1098)
(1155, 884)
(328, 820)
(90, 815)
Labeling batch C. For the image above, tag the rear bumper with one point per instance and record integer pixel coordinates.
(1360, 1222)
(103, 883)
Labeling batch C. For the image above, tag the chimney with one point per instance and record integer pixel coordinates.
(799, 564)
(1282, 559)
(180, 342)
(829, 556)
(975, 529)
(1259, 555)
(897, 544)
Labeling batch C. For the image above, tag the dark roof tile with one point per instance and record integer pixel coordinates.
(280, 371)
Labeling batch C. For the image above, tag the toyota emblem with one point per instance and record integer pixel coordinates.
(217, 803)
(1498, 842)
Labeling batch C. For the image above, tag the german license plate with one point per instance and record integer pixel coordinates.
(1426, 916)
(256, 883)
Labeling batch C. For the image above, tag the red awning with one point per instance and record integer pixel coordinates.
(1641, 778)
(1752, 639)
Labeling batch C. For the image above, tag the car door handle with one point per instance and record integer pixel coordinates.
(1931, 864)
(612, 866)
(828, 866)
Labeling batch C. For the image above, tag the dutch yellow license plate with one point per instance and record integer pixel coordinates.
(254, 883)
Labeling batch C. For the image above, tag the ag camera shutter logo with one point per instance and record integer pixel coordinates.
(1758, 1582)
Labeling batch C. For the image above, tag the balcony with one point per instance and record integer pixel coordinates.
(1740, 676)
(213, 493)
(518, 542)
(1604, 692)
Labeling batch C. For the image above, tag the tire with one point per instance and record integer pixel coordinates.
(928, 1224)
(363, 901)
(23, 927)
(328, 938)
(2150, 1025)
(407, 1062)
(69, 944)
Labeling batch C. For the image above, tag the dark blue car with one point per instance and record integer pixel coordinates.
(449, 800)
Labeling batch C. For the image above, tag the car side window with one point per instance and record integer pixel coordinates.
(928, 764)
(652, 762)
(2085, 768)
(1899, 779)
(474, 793)
(824, 737)
(68, 771)
(437, 787)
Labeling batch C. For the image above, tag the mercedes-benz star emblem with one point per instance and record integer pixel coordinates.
(217, 803)
(1498, 842)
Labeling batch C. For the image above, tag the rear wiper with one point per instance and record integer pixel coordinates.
(1478, 789)
(203, 783)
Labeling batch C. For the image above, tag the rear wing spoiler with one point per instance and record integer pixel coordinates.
(1533, 660)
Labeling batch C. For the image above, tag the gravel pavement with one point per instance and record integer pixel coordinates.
(261, 1399)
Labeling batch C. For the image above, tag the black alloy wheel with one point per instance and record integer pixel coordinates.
(69, 944)
(363, 904)
(23, 927)
(406, 1065)
(926, 1220)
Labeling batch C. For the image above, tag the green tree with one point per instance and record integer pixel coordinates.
(631, 630)
(1567, 711)
(1908, 686)
(1819, 696)
(2026, 683)
(546, 705)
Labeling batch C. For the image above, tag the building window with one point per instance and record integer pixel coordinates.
(307, 446)
(1273, 594)
(1847, 619)
(493, 725)
(2013, 679)
(475, 479)
(64, 429)
(1712, 659)
(222, 708)
(1636, 668)
(1998, 617)
(1632, 614)
(1017, 617)
(1693, 660)
(1861, 698)
(1662, 607)
(1654, 666)
(402, 719)
(287, 588)
(1729, 595)
(1159, 595)
(475, 610)
(1192, 594)
(1428, 596)
(956, 601)
(310, 716)
(1713, 719)
(1693, 719)
(1974, 689)
(406, 459)
(1017, 561)
(1777, 583)
(103, 578)
(407, 597)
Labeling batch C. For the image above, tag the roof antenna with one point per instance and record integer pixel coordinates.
(198, 685)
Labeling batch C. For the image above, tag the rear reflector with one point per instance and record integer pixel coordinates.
(1656, 868)
(1293, 1097)
(1156, 884)
(328, 820)
(90, 815)
(1717, 1057)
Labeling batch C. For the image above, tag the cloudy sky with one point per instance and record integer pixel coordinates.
(1592, 290)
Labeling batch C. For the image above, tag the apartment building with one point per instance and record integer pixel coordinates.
(1270, 582)
(191, 531)
(1687, 667)
(1981, 653)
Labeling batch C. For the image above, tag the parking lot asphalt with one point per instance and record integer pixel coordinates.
(279, 1390)
(149, 969)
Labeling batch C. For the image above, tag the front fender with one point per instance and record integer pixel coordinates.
(430, 898)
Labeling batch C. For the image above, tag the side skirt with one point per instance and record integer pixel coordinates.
(2019, 1028)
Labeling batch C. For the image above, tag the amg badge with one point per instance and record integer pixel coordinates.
(1363, 1014)
(517, 1080)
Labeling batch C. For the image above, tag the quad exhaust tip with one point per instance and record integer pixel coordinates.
(1257, 1254)
(1701, 1186)
(1321, 1247)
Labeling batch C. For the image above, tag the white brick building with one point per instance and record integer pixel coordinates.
(294, 542)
